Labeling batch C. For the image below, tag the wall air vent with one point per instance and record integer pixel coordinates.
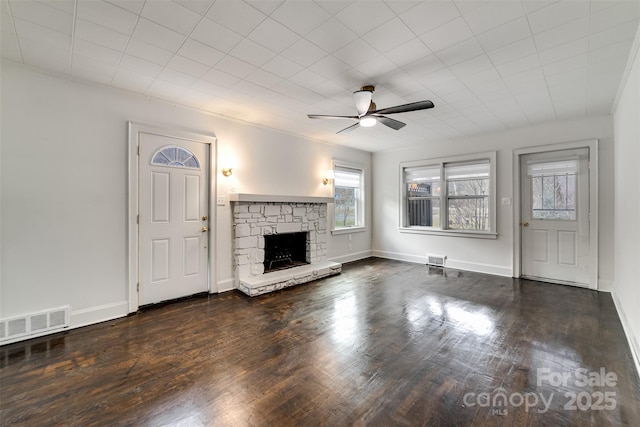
(32, 325)
(436, 260)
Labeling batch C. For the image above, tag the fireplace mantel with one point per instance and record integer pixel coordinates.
(271, 198)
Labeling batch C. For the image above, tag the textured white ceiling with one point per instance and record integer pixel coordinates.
(487, 65)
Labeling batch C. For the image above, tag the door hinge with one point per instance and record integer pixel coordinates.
(138, 150)
(137, 219)
(138, 286)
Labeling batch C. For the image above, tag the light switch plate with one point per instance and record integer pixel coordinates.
(221, 200)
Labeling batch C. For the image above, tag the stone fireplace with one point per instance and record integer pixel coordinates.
(279, 241)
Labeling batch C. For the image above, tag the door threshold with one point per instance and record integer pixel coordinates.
(556, 281)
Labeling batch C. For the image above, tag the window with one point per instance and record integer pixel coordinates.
(348, 187)
(553, 190)
(423, 196)
(449, 196)
(176, 157)
(468, 196)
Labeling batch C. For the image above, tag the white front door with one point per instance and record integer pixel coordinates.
(555, 228)
(173, 222)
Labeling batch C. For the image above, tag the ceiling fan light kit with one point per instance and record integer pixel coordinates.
(367, 122)
(362, 99)
(369, 115)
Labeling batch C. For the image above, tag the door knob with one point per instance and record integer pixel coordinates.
(205, 229)
(526, 224)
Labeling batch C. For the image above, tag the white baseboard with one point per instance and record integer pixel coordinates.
(626, 326)
(224, 285)
(352, 257)
(400, 257)
(605, 285)
(496, 270)
(101, 313)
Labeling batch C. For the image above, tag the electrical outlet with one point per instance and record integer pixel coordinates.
(506, 201)
(221, 200)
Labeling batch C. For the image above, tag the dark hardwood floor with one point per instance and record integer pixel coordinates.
(385, 343)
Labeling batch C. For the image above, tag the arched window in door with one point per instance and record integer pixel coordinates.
(175, 157)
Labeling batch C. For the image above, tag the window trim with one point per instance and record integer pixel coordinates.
(361, 201)
(444, 196)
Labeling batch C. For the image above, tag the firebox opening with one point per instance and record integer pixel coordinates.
(283, 251)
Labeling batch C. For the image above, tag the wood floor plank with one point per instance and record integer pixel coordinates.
(385, 343)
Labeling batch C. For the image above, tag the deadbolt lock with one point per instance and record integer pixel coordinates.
(204, 218)
(526, 224)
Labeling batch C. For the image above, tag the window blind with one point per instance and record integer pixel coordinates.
(467, 171)
(346, 177)
(562, 167)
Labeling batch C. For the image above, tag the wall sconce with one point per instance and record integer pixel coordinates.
(227, 171)
(329, 176)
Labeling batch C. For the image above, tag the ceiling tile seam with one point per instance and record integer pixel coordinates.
(417, 37)
(434, 28)
(586, 69)
(15, 31)
(186, 38)
(73, 37)
(448, 67)
(480, 100)
(309, 67)
(335, 16)
(359, 37)
(304, 36)
(124, 49)
(129, 36)
(174, 54)
(557, 26)
(589, 52)
(546, 81)
(277, 54)
(515, 98)
(364, 40)
(98, 25)
(635, 48)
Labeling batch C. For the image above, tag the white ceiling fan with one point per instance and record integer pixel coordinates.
(368, 115)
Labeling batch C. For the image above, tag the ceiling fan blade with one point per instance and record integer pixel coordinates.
(349, 129)
(326, 116)
(404, 108)
(392, 123)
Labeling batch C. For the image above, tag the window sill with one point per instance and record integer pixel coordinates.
(450, 233)
(348, 230)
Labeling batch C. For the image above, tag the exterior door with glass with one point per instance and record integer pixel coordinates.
(173, 218)
(555, 229)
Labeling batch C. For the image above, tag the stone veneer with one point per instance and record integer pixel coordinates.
(253, 220)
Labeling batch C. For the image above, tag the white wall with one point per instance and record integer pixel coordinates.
(489, 256)
(64, 188)
(626, 289)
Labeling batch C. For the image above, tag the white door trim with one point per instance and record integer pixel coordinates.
(592, 145)
(133, 197)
